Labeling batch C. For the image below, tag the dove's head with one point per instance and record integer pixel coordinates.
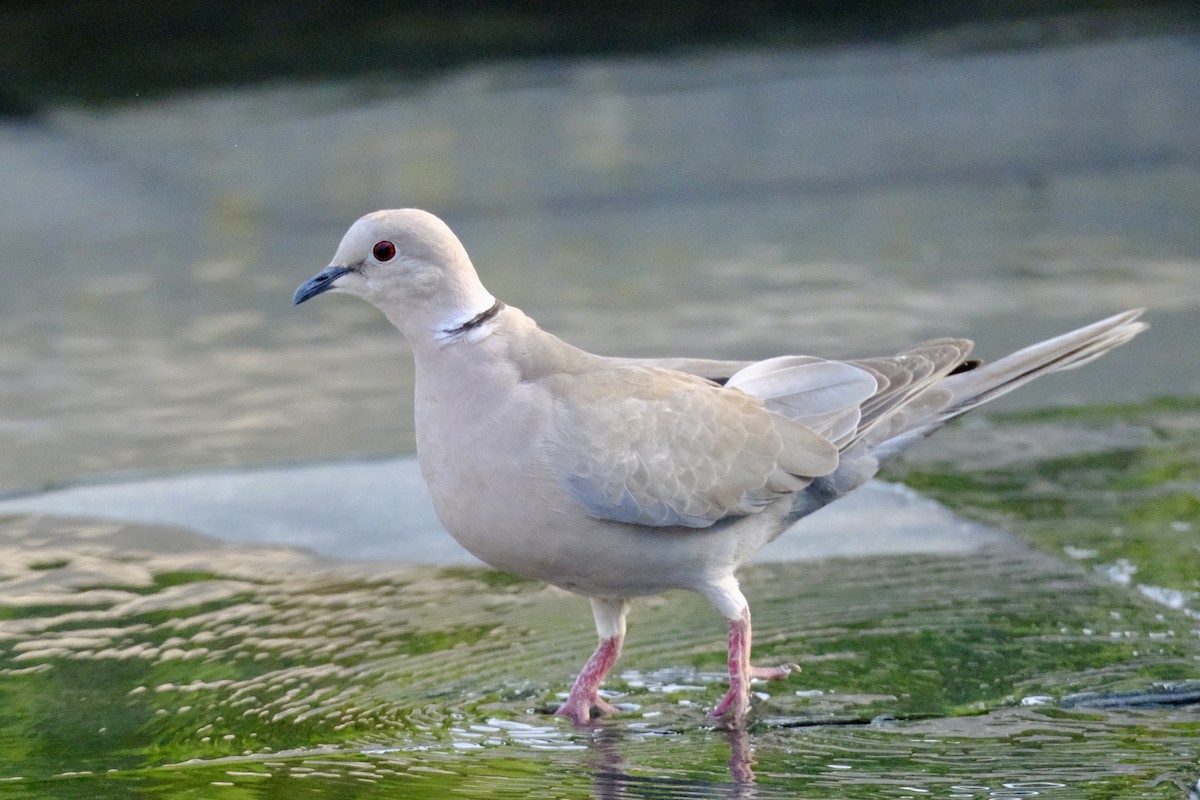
(410, 265)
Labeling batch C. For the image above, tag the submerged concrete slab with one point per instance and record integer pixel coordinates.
(380, 510)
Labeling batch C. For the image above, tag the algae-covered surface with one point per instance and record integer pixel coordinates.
(140, 660)
(1114, 488)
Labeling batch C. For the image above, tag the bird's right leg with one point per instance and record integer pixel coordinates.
(585, 693)
(728, 598)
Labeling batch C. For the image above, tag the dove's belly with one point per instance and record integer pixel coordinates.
(528, 534)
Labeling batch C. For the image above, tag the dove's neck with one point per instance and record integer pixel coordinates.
(466, 326)
(452, 305)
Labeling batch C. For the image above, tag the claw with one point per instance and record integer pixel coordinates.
(582, 711)
(737, 699)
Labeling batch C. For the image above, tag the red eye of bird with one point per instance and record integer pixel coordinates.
(384, 251)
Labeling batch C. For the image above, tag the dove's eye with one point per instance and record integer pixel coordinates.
(384, 251)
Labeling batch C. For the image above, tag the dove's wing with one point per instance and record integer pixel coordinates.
(655, 447)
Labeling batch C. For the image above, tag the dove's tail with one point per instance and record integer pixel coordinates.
(1068, 351)
(930, 384)
(977, 383)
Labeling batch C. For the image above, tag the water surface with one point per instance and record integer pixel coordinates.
(135, 659)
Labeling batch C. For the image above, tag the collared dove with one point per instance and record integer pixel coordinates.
(616, 478)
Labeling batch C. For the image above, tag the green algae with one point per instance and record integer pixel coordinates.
(1134, 512)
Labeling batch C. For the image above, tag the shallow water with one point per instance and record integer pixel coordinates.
(134, 659)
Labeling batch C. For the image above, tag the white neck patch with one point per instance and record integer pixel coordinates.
(469, 329)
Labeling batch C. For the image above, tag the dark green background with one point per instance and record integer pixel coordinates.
(80, 50)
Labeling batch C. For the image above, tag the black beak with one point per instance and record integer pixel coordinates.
(321, 282)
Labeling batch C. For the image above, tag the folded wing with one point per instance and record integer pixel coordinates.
(656, 447)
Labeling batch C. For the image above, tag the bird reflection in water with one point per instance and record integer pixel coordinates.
(613, 779)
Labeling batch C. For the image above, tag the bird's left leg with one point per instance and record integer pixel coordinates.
(585, 693)
(729, 600)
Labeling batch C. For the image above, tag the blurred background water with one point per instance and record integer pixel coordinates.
(682, 181)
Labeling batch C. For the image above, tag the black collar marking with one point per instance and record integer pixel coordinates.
(475, 321)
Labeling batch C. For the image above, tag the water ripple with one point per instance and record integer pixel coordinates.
(195, 662)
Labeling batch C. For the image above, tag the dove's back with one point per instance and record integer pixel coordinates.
(916, 392)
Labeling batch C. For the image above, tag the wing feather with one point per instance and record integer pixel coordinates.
(655, 447)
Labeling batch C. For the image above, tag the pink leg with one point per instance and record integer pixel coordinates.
(585, 693)
(736, 702)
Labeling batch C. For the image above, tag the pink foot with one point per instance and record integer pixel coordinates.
(582, 710)
(736, 702)
(585, 693)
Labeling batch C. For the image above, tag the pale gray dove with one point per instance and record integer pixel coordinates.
(616, 478)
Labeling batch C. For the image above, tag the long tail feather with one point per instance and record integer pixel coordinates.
(1068, 351)
(960, 392)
